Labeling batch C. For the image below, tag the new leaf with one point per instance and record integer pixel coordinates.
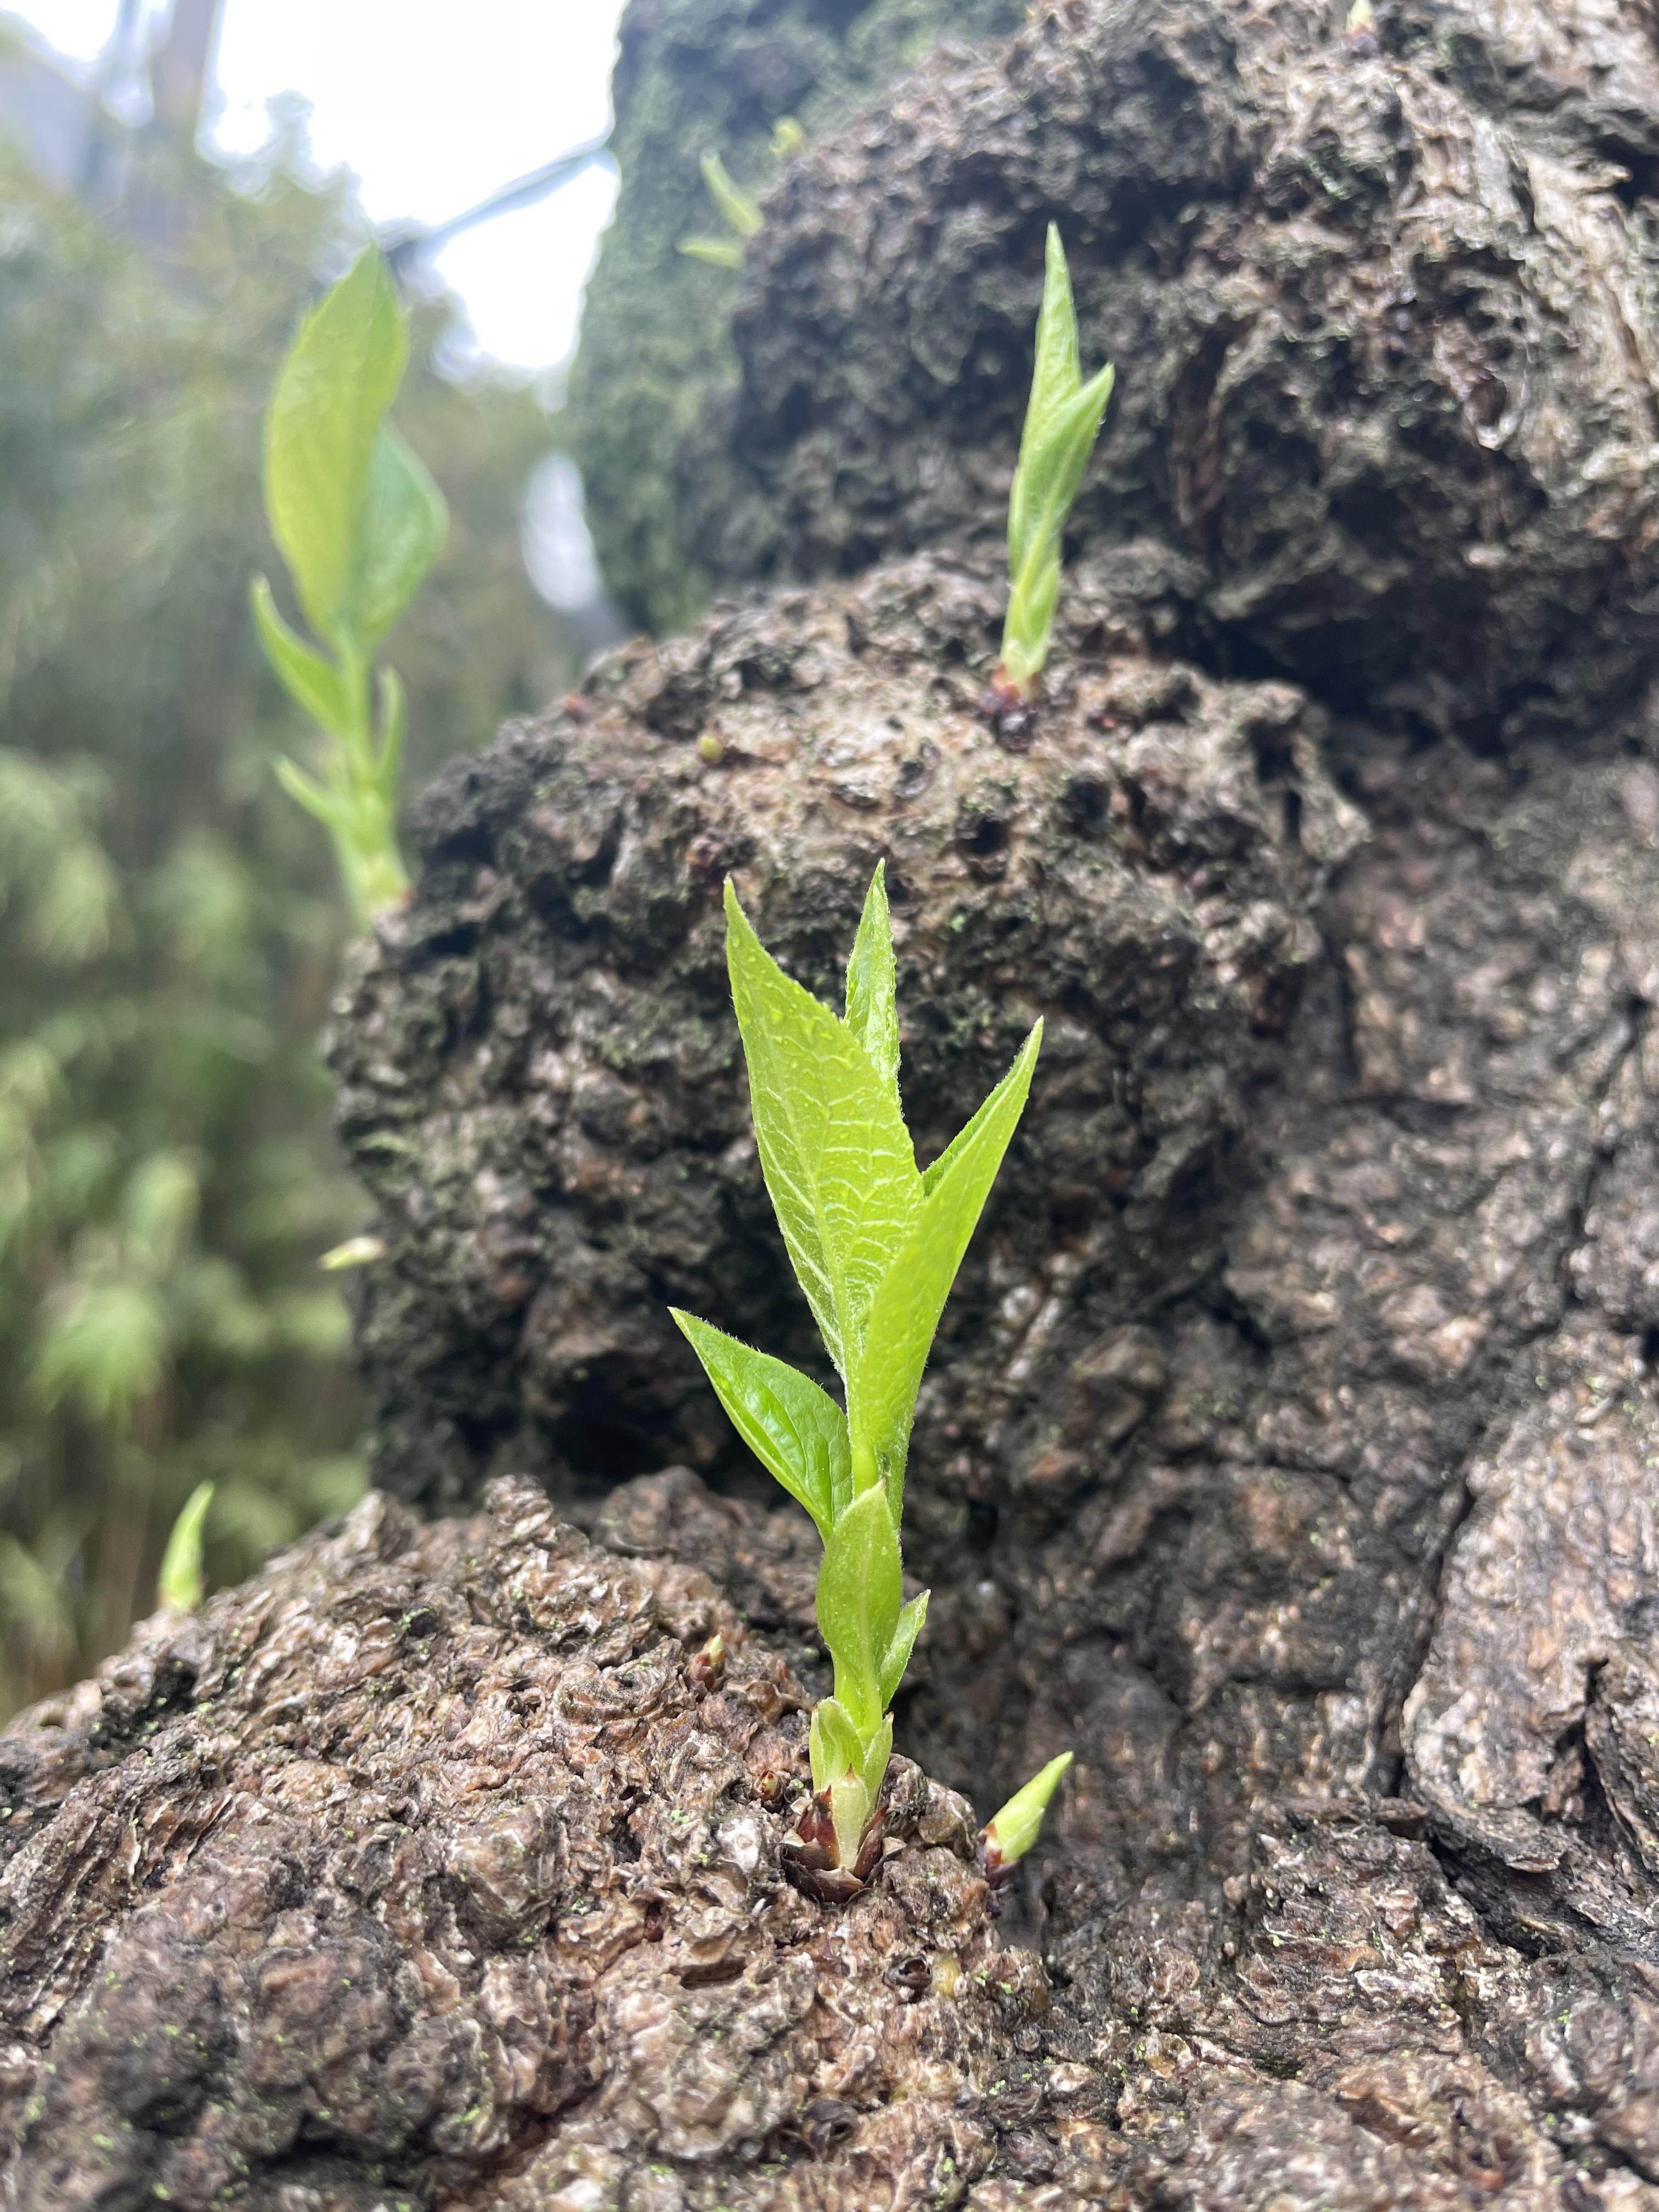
(1062, 420)
(873, 985)
(905, 1311)
(796, 1431)
(860, 1596)
(834, 1148)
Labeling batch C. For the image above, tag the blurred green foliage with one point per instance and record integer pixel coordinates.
(169, 924)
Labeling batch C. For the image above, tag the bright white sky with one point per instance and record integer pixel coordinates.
(434, 104)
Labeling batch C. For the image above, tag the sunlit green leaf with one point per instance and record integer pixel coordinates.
(719, 252)
(905, 1310)
(795, 1430)
(833, 1744)
(836, 1156)
(1062, 420)
(911, 1621)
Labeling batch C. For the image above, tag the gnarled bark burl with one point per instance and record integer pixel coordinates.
(1290, 1453)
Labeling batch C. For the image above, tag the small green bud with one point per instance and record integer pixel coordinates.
(710, 749)
(1013, 1831)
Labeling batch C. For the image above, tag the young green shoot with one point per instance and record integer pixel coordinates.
(742, 216)
(1007, 1837)
(875, 1244)
(1062, 421)
(182, 1585)
(359, 522)
(739, 210)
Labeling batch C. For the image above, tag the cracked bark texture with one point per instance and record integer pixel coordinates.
(1290, 1455)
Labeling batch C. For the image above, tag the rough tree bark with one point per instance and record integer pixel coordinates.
(1291, 1453)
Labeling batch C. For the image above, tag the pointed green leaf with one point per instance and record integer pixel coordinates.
(734, 202)
(340, 376)
(181, 1583)
(872, 984)
(313, 683)
(1013, 1831)
(877, 1755)
(1055, 376)
(404, 522)
(849, 1813)
(1062, 420)
(796, 1431)
(833, 1743)
(904, 1643)
(305, 791)
(881, 1391)
(834, 1148)
(861, 1591)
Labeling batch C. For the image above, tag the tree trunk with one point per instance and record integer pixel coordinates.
(1288, 1451)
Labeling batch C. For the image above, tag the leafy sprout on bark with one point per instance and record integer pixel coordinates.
(875, 1244)
(359, 522)
(1062, 420)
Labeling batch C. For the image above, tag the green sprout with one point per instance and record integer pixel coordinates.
(1007, 1837)
(181, 1584)
(741, 214)
(875, 1244)
(1062, 421)
(743, 218)
(359, 522)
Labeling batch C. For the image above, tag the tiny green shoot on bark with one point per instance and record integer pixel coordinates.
(875, 1244)
(738, 210)
(358, 522)
(182, 1583)
(1062, 421)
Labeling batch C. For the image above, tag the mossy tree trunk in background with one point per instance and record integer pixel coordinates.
(1290, 1452)
(654, 380)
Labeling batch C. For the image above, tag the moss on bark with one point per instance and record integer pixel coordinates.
(654, 380)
